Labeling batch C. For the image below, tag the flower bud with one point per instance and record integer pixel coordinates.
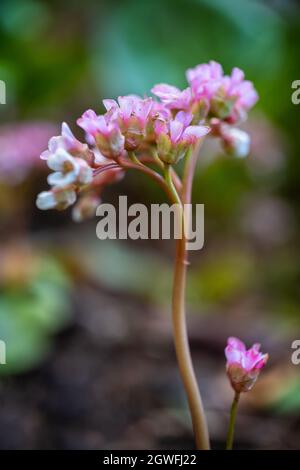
(164, 146)
(221, 106)
(243, 366)
(236, 142)
(58, 198)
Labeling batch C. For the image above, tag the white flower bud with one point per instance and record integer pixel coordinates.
(236, 142)
(56, 199)
(46, 200)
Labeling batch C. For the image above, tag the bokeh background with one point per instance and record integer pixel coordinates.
(90, 360)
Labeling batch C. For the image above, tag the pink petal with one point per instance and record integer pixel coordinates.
(176, 128)
(236, 343)
(160, 127)
(237, 75)
(262, 362)
(195, 132)
(164, 91)
(109, 104)
(126, 105)
(184, 117)
(233, 355)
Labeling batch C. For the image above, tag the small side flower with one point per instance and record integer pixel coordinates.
(243, 366)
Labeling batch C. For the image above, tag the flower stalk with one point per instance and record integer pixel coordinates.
(233, 413)
(180, 333)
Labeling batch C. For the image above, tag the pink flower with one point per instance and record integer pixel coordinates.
(229, 97)
(160, 111)
(90, 122)
(129, 107)
(175, 136)
(104, 131)
(179, 129)
(205, 79)
(66, 141)
(243, 366)
(204, 72)
(133, 115)
(172, 97)
(241, 91)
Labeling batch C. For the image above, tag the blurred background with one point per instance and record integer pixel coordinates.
(90, 359)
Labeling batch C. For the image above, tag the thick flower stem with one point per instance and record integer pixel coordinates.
(233, 413)
(179, 318)
(183, 351)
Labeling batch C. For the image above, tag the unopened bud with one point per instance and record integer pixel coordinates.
(236, 142)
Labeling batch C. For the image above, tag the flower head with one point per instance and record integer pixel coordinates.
(133, 129)
(175, 136)
(205, 79)
(210, 94)
(104, 132)
(133, 115)
(243, 366)
(241, 92)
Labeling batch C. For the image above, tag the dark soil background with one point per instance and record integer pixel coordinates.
(111, 382)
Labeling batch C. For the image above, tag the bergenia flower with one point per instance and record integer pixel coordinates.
(204, 73)
(133, 128)
(90, 122)
(66, 141)
(236, 142)
(133, 115)
(172, 97)
(229, 97)
(205, 79)
(128, 107)
(243, 366)
(175, 136)
(104, 131)
(236, 85)
(57, 198)
(150, 136)
(68, 169)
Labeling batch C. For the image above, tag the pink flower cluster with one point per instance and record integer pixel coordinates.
(133, 127)
(243, 366)
(211, 93)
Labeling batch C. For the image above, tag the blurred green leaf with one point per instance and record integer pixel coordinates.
(220, 278)
(289, 402)
(182, 34)
(29, 315)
